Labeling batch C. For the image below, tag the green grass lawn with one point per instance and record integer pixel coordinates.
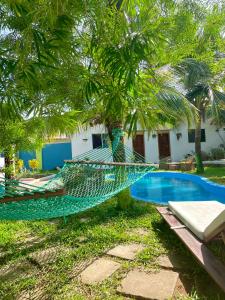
(88, 236)
(215, 174)
(104, 227)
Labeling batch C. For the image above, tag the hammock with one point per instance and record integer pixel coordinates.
(87, 180)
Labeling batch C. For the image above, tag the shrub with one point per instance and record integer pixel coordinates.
(33, 164)
(19, 165)
(205, 155)
(217, 153)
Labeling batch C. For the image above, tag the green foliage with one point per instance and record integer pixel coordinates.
(19, 134)
(33, 164)
(217, 153)
(124, 200)
(124, 84)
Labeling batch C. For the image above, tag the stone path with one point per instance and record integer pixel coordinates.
(30, 242)
(139, 231)
(48, 255)
(136, 284)
(19, 269)
(170, 262)
(126, 251)
(38, 293)
(158, 286)
(84, 220)
(99, 270)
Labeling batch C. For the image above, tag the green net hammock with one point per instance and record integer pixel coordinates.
(86, 181)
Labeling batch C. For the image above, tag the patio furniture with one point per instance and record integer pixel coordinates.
(196, 223)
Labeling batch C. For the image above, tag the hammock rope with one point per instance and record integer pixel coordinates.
(87, 180)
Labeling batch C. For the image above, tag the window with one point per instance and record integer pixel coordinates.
(191, 135)
(100, 140)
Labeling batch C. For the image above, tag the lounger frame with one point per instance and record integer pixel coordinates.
(214, 267)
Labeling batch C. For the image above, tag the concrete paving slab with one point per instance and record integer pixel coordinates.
(126, 251)
(170, 261)
(138, 231)
(47, 256)
(98, 271)
(19, 269)
(84, 220)
(139, 284)
(38, 293)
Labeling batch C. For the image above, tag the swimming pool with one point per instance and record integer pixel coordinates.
(161, 187)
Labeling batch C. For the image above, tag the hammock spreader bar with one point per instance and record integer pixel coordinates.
(122, 164)
(36, 195)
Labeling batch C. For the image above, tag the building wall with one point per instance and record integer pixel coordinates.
(52, 155)
(82, 141)
(181, 147)
(26, 156)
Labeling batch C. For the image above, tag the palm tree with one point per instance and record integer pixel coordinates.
(122, 85)
(202, 90)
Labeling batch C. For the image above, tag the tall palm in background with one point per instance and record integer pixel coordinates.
(203, 90)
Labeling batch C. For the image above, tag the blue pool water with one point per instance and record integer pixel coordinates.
(161, 188)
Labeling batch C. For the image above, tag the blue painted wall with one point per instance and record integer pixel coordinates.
(25, 156)
(53, 155)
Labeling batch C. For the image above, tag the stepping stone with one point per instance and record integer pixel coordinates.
(30, 242)
(98, 271)
(3, 254)
(82, 239)
(143, 285)
(19, 269)
(84, 220)
(126, 251)
(47, 256)
(141, 231)
(183, 289)
(170, 262)
(79, 267)
(33, 294)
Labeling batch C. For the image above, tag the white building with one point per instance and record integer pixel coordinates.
(173, 143)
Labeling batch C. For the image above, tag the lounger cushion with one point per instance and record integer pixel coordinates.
(203, 218)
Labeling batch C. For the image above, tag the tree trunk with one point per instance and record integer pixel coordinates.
(119, 154)
(198, 153)
(124, 199)
(9, 163)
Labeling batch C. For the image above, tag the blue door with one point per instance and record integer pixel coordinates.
(26, 156)
(53, 155)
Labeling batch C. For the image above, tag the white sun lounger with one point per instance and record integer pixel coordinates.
(206, 219)
(197, 222)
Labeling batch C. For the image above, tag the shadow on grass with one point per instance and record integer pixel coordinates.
(70, 232)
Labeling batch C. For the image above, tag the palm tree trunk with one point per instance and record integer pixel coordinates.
(198, 152)
(124, 199)
(119, 155)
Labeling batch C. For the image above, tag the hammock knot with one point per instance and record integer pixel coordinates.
(118, 133)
